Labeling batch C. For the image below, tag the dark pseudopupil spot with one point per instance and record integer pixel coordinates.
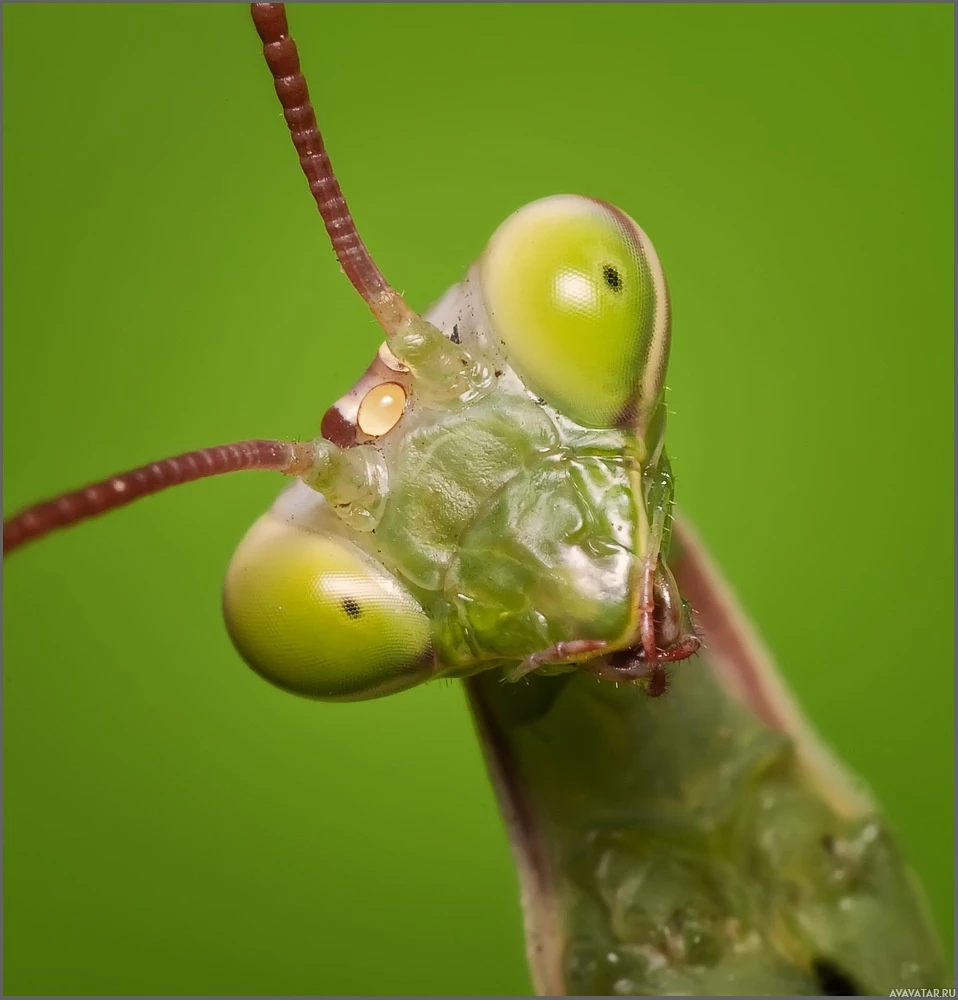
(351, 607)
(612, 277)
(832, 981)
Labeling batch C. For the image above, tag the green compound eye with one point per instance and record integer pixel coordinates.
(315, 616)
(576, 294)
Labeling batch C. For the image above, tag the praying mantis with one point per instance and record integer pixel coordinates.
(342, 741)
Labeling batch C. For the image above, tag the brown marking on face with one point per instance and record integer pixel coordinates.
(337, 429)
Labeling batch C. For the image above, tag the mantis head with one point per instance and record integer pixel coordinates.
(494, 492)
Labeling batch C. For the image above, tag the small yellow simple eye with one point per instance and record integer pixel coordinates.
(381, 408)
(575, 294)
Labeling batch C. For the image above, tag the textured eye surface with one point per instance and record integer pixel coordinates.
(577, 297)
(315, 616)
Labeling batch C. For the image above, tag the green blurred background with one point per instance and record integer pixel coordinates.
(172, 824)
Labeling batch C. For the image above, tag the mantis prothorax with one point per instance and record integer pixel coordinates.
(494, 495)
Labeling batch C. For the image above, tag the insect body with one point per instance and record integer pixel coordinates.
(494, 497)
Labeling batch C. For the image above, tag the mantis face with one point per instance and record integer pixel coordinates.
(494, 491)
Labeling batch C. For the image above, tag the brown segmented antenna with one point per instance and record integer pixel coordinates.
(287, 457)
(279, 49)
(34, 522)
